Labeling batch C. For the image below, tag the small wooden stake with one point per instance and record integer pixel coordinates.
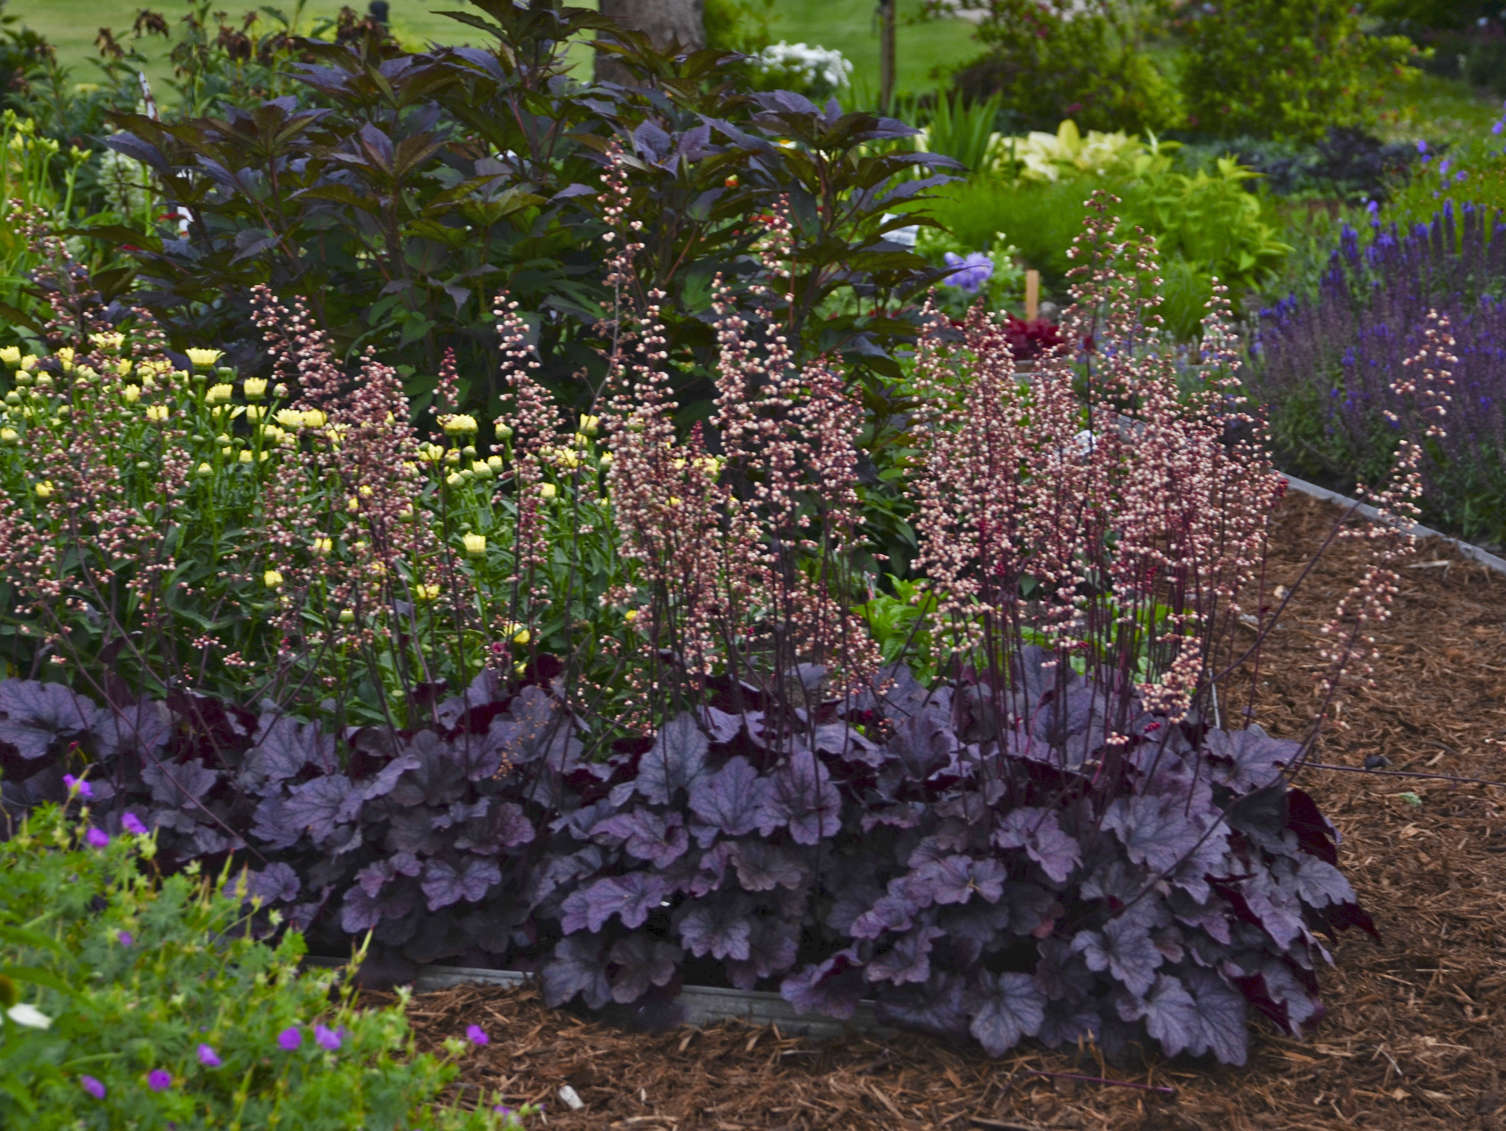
(1032, 294)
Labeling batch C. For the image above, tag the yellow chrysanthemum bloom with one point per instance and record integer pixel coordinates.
(323, 545)
(255, 412)
(426, 592)
(11, 356)
(314, 418)
(204, 470)
(246, 457)
(9, 435)
(130, 393)
(123, 367)
(430, 453)
(589, 425)
(44, 489)
(475, 544)
(289, 418)
(218, 394)
(272, 579)
(255, 388)
(157, 413)
(548, 490)
(65, 358)
(111, 340)
(29, 362)
(202, 358)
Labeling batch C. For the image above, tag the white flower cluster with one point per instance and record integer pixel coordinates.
(811, 65)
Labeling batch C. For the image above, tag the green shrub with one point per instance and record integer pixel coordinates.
(1271, 67)
(1079, 59)
(133, 1001)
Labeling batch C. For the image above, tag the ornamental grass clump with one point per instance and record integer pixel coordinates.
(1326, 366)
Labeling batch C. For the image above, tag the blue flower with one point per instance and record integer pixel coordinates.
(969, 272)
(1498, 127)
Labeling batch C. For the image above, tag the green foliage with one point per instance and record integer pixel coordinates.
(1269, 67)
(1042, 156)
(962, 130)
(738, 25)
(1205, 223)
(140, 1001)
(1055, 59)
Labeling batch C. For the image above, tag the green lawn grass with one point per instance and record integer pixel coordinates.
(848, 25)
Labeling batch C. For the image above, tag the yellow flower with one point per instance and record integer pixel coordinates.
(11, 356)
(547, 490)
(255, 387)
(518, 633)
(630, 616)
(289, 418)
(203, 359)
(458, 425)
(347, 616)
(123, 367)
(246, 457)
(430, 453)
(204, 469)
(106, 341)
(130, 394)
(44, 489)
(9, 435)
(218, 394)
(157, 413)
(504, 432)
(522, 636)
(272, 579)
(255, 412)
(456, 478)
(352, 504)
(314, 418)
(494, 462)
(29, 362)
(65, 357)
(475, 544)
(606, 459)
(589, 425)
(273, 433)
(323, 545)
(426, 592)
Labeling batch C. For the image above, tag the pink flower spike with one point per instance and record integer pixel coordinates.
(97, 838)
(476, 1035)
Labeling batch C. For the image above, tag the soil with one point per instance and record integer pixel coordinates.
(1415, 1033)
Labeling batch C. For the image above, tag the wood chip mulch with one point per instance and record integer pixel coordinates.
(1415, 1035)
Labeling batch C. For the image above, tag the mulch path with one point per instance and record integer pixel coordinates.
(1415, 1035)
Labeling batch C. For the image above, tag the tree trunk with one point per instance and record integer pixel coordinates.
(665, 22)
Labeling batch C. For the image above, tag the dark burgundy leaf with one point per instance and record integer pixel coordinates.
(941, 1006)
(894, 911)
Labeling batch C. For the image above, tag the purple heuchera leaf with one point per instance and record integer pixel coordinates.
(1012, 1009)
(34, 715)
(674, 762)
(908, 960)
(576, 969)
(718, 927)
(1040, 833)
(943, 1005)
(658, 838)
(285, 748)
(1124, 948)
(833, 987)
(803, 800)
(1197, 1014)
(893, 911)
(640, 962)
(142, 728)
(1317, 882)
(956, 879)
(437, 779)
(731, 799)
(1249, 759)
(762, 866)
(467, 880)
(1156, 829)
(630, 897)
(175, 783)
(318, 805)
(276, 883)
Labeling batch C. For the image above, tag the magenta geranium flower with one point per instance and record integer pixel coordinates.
(159, 1079)
(132, 824)
(93, 1086)
(84, 790)
(208, 1057)
(476, 1035)
(326, 1038)
(290, 1038)
(97, 838)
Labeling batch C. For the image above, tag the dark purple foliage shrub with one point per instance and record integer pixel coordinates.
(1326, 365)
(967, 872)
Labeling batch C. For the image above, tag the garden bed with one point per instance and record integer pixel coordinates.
(1415, 1036)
